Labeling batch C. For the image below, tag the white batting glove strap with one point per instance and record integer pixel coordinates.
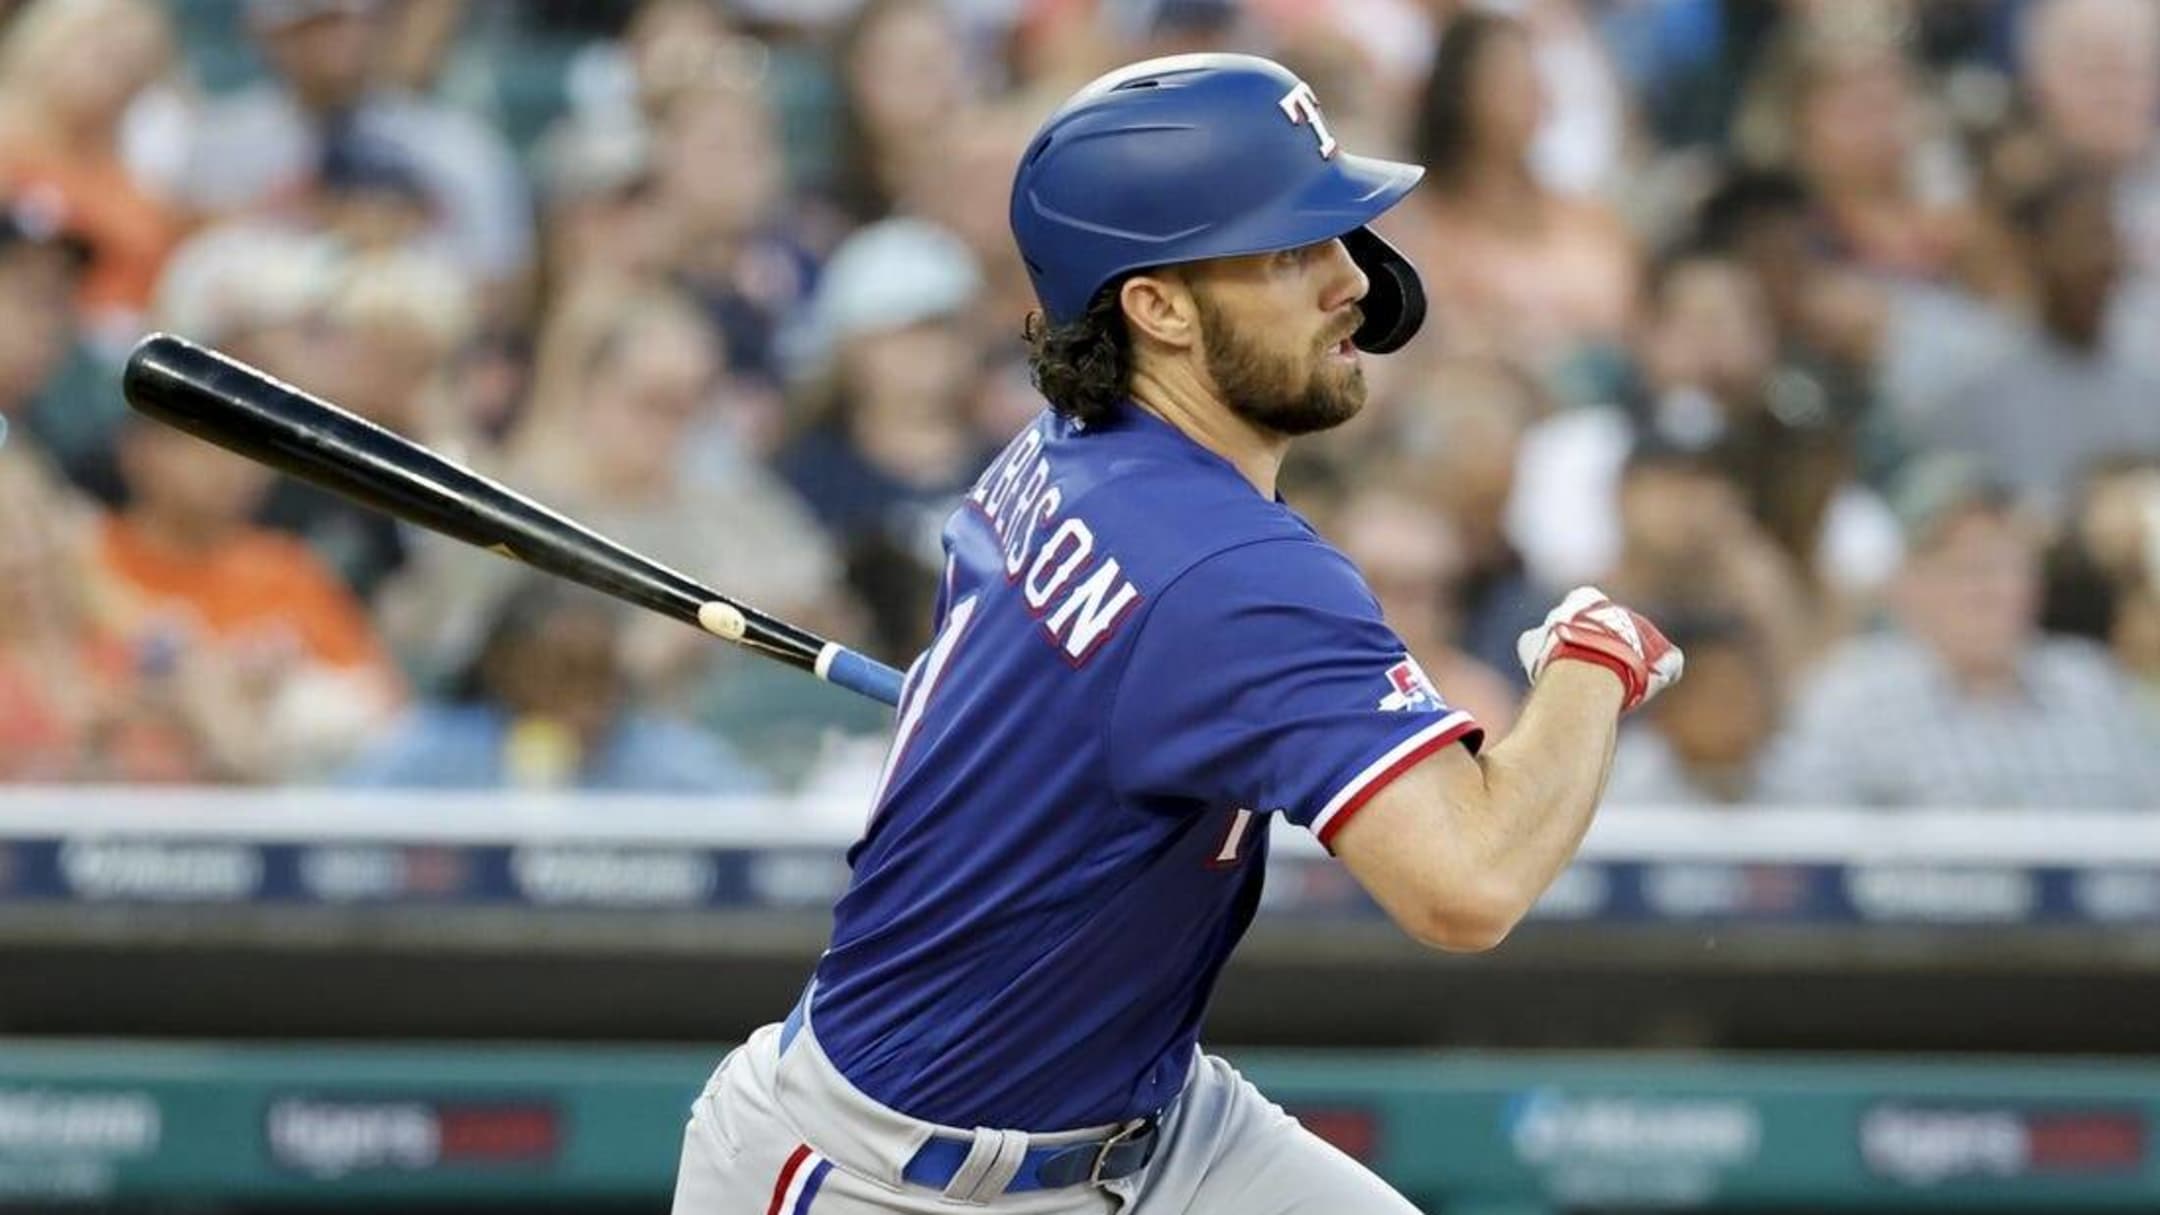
(1535, 646)
(1588, 626)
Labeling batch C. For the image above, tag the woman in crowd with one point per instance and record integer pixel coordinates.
(1838, 102)
(1514, 269)
(902, 78)
(69, 70)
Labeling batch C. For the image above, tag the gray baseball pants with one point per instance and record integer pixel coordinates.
(784, 1133)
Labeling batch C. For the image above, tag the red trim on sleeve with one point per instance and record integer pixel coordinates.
(1387, 776)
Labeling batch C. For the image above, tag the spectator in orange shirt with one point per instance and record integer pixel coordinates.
(68, 71)
(80, 700)
(183, 554)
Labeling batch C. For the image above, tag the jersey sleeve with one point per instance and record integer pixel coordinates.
(1265, 678)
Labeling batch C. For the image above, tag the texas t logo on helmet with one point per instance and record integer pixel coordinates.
(1303, 106)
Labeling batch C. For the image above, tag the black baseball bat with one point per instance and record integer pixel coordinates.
(242, 409)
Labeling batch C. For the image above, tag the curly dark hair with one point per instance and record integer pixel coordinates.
(1083, 367)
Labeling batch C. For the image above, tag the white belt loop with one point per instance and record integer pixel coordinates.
(992, 1161)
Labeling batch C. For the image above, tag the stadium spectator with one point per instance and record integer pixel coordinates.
(39, 266)
(1456, 442)
(1837, 101)
(626, 449)
(1512, 268)
(1413, 563)
(2091, 71)
(1830, 319)
(1966, 703)
(888, 444)
(547, 704)
(1704, 747)
(264, 147)
(1703, 359)
(69, 70)
(1688, 544)
(600, 218)
(381, 347)
(369, 197)
(2061, 395)
(54, 664)
(735, 244)
(1780, 424)
(627, 83)
(1580, 145)
(902, 78)
(183, 561)
(2103, 571)
(80, 698)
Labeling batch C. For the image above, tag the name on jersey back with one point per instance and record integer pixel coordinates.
(1078, 594)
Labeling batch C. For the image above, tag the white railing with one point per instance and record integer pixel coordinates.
(1820, 835)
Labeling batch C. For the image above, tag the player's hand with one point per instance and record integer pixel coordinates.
(1588, 627)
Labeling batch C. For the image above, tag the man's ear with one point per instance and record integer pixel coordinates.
(1159, 308)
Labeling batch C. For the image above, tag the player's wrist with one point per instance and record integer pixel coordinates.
(1583, 670)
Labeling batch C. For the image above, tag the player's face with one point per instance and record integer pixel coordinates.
(1275, 329)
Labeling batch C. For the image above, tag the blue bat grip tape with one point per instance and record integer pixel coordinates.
(871, 678)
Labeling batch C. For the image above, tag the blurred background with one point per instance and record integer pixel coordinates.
(343, 865)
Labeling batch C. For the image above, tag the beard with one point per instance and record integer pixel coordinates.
(1273, 389)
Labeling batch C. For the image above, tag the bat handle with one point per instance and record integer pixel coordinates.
(841, 666)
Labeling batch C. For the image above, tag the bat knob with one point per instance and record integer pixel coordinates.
(723, 620)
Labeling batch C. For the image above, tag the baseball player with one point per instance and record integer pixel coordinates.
(1144, 658)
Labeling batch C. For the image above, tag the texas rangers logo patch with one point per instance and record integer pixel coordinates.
(1409, 689)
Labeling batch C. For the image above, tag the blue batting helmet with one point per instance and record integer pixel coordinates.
(1195, 156)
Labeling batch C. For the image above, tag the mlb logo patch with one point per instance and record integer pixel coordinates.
(1409, 689)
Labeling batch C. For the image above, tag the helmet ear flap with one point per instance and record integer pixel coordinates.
(1394, 305)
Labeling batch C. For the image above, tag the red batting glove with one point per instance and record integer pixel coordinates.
(1588, 627)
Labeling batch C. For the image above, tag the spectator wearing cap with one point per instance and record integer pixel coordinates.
(265, 147)
(69, 71)
(370, 197)
(2060, 393)
(888, 445)
(1965, 703)
(384, 334)
(547, 703)
(1704, 747)
(601, 219)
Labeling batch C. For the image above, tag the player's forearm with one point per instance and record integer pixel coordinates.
(1544, 778)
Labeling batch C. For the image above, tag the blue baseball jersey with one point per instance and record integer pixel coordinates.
(1140, 662)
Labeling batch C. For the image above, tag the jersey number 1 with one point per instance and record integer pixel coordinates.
(922, 683)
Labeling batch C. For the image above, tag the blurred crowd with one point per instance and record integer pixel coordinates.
(1822, 330)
